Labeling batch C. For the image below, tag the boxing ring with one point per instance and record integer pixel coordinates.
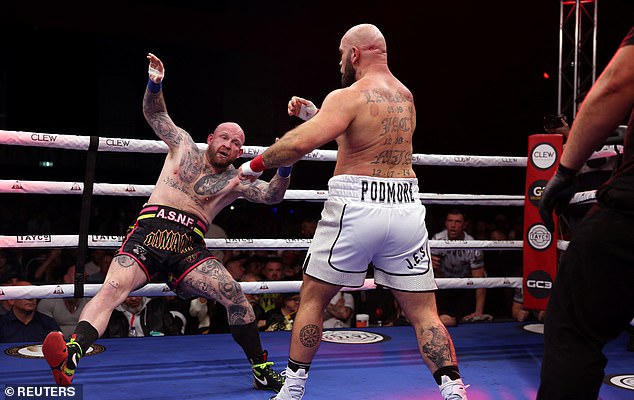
(500, 360)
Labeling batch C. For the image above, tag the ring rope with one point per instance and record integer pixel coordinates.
(161, 289)
(126, 189)
(105, 241)
(74, 142)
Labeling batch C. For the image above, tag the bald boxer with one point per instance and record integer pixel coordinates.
(167, 240)
(372, 215)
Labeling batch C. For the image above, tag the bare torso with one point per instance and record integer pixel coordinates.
(189, 184)
(378, 141)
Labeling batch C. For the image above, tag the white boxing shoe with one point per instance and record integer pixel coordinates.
(294, 385)
(453, 389)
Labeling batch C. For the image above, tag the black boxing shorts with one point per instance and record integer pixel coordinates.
(166, 243)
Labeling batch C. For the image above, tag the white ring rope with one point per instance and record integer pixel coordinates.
(74, 142)
(161, 289)
(126, 189)
(106, 241)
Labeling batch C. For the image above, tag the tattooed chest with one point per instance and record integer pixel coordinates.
(209, 185)
(203, 189)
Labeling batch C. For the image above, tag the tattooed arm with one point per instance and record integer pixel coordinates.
(265, 192)
(334, 117)
(154, 108)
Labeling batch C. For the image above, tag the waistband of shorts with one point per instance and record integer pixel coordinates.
(175, 215)
(368, 189)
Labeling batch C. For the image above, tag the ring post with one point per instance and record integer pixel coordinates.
(540, 245)
(84, 220)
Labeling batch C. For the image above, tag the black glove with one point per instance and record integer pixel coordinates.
(557, 194)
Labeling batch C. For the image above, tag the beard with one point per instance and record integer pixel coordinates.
(220, 163)
(349, 73)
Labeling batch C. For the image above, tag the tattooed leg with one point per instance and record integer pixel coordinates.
(124, 275)
(434, 342)
(307, 327)
(211, 280)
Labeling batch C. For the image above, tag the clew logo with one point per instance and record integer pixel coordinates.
(117, 142)
(538, 284)
(543, 156)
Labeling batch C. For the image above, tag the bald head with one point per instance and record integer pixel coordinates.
(365, 37)
(229, 127)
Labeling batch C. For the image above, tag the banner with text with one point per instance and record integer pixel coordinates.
(540, 246)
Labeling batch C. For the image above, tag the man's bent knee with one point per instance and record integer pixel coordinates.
(114, 291)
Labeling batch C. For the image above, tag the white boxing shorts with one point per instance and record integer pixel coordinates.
(377, 221)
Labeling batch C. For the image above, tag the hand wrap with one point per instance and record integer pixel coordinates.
(254, 167)
(154, 87)
(284, 172)
(307, 111)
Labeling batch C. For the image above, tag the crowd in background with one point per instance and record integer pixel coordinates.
(157, 316)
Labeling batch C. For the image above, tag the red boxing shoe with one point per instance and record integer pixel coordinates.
(62, 357)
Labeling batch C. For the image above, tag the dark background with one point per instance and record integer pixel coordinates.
(476, 69)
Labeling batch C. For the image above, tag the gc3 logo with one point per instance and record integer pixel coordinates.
(538, 284)
(535, 191)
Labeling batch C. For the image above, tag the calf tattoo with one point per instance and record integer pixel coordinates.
(436, 345)
(310, 335)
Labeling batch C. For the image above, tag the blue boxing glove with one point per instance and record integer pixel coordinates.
(557, 194)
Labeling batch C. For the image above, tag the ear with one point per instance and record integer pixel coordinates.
(210, 138)
(356, 54)
(240, 154)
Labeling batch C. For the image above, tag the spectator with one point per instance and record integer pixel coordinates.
(501, 263)
(144, 316)
(102, 260)
(94, 266)
(9, 279)
(7, 268)
(456, 305)
(521, 314)
(23, 323)
(235, 266)
(398, 318)
(253, 265)
(307, 228)
(64, 311)
(339, 311)
(281, 317)
(200, 312)
(49, 267)
(292, 261)
(272, 270)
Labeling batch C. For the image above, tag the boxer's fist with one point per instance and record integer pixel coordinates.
(302, 108)
(251, 170)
